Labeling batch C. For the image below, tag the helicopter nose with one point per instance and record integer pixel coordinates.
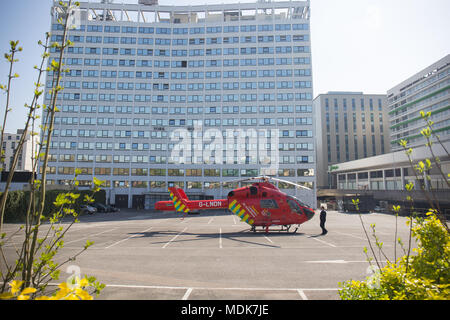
(309, 213)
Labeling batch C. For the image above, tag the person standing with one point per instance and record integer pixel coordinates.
(323, 219)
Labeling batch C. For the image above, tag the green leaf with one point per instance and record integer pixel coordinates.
(409, 186)
(98, 182)
(88, 244)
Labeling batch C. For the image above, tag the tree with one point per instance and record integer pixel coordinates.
(36, 263)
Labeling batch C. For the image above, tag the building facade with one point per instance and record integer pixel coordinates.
(191, 96)
(382, 179)
(353, 126)
(10, 142)
(428, 91)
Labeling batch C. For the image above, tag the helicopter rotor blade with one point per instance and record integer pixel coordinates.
(265, 178)
(291, 183)
(245, 179)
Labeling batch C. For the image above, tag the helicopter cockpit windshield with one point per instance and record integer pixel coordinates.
(292, 202)
(298, 201)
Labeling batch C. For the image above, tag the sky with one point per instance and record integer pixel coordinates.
(357, 45)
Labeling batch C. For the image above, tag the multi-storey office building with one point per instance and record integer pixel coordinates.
(185, 95)
(9, 147)
(428, 91)
(383, 178)
(353, 126)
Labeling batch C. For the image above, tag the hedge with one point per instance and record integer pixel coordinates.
(17, 203)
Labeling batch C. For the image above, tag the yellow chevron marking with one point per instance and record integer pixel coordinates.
(239, 211)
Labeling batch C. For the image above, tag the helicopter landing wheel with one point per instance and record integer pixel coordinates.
(253, 229)
(295, 230)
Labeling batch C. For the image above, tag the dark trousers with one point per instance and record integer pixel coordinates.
(322, 225)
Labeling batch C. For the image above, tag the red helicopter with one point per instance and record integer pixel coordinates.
(260, 204)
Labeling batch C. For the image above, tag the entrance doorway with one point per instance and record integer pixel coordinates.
(138, 202)
(122, 201)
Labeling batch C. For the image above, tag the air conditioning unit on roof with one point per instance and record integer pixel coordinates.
(149, 2)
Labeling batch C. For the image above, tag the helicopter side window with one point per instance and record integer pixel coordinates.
(294, 206)
(268, 204)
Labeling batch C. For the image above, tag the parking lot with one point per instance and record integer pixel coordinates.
(144, 255)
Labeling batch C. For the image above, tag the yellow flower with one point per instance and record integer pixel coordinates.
(15, 286)
(84, 295)
(63, 291)
(24, 294)
(73, 290)
(23, 297)
(28, 291)
(6, 296)
(67, 291)
(71, 297)
(83, 282)
(15, 291)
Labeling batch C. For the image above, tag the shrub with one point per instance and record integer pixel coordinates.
(423, 276)
(17, 203)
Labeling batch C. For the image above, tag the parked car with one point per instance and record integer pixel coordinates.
(112, 208)
(378, 209)
(86, 209)
(100, 207)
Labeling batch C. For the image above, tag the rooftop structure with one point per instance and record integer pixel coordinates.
(149, 11)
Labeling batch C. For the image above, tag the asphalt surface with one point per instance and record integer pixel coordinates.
(214, 256)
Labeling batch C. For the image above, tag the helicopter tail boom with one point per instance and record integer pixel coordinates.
(181, 203)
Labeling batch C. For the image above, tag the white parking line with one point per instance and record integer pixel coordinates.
(210, 220)
(300, 291)
(341, 261)
(302, 294)
(324, 242)
(92, 235)
(187, 294)
(350, 235)
(130, 237)
(174, 238)
(209, 288)
(268, 239)
(328, 261)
